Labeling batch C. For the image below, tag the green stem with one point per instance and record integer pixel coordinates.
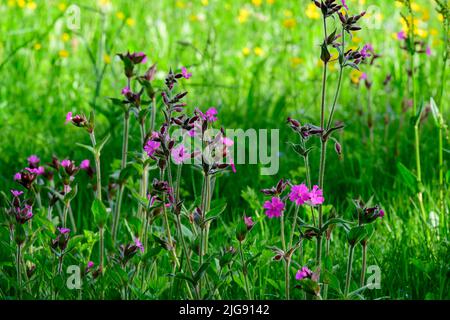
(102, 248)
(126, 124)
(364, 263)
(244, 272)
(65, 210)
(97, 167)
(19, 272)
(349, 270)
(287, 264)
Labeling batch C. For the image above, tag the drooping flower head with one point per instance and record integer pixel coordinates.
(274, 207)
(303, 273)
(299, 194)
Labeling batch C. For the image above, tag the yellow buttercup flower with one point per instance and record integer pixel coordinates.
(31, 5)
(421, 33)
(130, 22)
(258, 51)
(65, 37)
(180, 4)
(37, 46)
(107, 58)
(415, 7)
(205, 2)
(289, 23)
(243, 15)
(312, 11)
(295, 61)
(21, 3)
(356, 39)
(11, 3)
(355, 76)
(362, 1)
(62, 6)
(246, 51)
(120, 15)
(63, 53)
(257, 3)
(440, 17)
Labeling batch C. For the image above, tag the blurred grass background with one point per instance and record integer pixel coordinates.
(257, 62)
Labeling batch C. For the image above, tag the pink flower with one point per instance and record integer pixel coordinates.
(233, 167)
(315, 196)
(90, 264)
(227, 141)
(249, 222)
(185, 73)
(344, 5)
(210, 115)
(66, 163)
(381, 213)
(37, 171)
(363, 76)
(17, 176)
(16, 193)
(85, 164)
(63, 230)
(365, 51)
(68, 117)
(401, 35)
(139, 244)
(33, 160)
(274, 207)
(67, 189)
(179, 154)
(151, 146)
(428, 51)
(141, 54)
(303, 273)
(299, 194)
(125, 91)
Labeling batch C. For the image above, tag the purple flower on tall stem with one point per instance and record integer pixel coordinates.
(428, 51)
(249, 222)
(151, 146)
(303, 273)
(315, 196)
(299, 194)
(68, 117)
(16, 193)
(274, 207)
(64, 230)
(125, 91)
(179, 154)
(85, 164)
(66, 163)
(90, 264)
(185, 73)
(139, 244)
(33, 161)
(17, 176)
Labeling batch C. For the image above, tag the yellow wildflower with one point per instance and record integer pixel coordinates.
(440, 17)
(11, 3)
(243, 15)
(65, 37)
(62, 6)
(288, 13)
(21, 3)
(120, 15)
(63, 53)
(130, 22)
(270, 1)
(257, 3)
(295, 61)
(421, 33)
(258, 51)
(37, 46)
(31, 5)
(355, 76)
(289, 23)
(107, 58)
(180, 4)
(246, 51)
(415, 7)
(312, 11)
(205, 2)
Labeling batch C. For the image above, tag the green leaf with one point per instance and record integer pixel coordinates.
(408, 178)
(100, 213)
(100, 146)
(356, 234)
(201, 272)
(346, 224)
(86, 147)
(70, 195)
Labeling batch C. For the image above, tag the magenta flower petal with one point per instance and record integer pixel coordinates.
(274, 207)
(299, 194)
(68, 117)
(185, 73)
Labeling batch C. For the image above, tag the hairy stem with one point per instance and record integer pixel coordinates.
(349, 270)
(364, 264)
(244, 272)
